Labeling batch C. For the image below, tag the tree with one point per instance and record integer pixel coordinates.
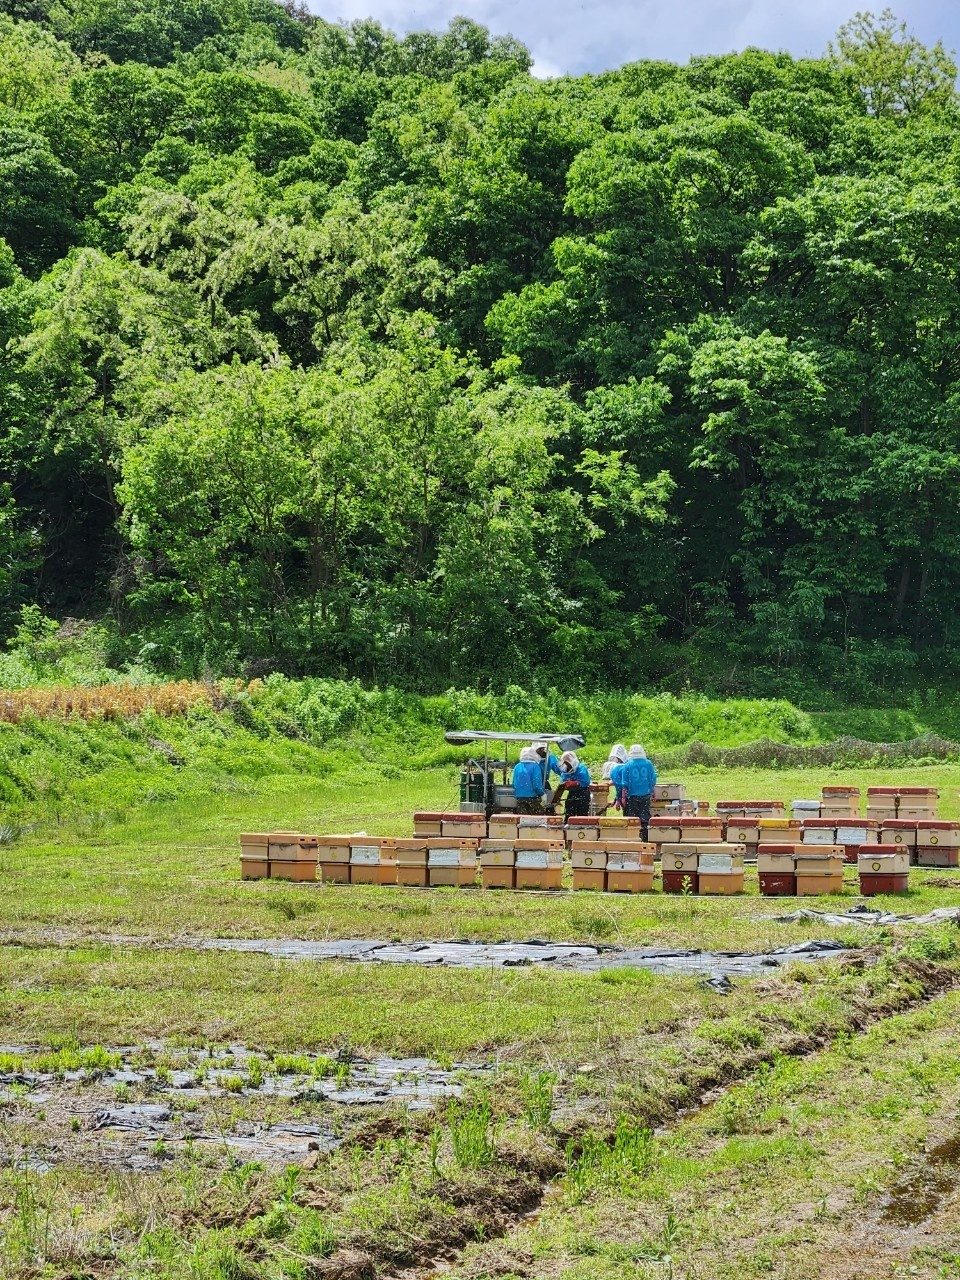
(896, 74)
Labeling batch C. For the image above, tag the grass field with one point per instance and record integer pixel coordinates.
(624, 1125)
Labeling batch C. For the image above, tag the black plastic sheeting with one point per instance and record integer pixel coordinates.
(565, 956)
(872, 916)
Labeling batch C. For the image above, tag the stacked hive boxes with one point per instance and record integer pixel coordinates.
(498, 861)
(412, 855)
(788, 868)
(292, 856)
(254, 855)
(938, 843)
(883, 869)
(695, 858)
(670, 799)
(333, 855)
(617, 866)
(839, 802)
(906, 803)
(372, 860)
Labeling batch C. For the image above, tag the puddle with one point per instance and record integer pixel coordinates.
(133, 1109)
(919, 1192)
(871, 916)
(578, 958)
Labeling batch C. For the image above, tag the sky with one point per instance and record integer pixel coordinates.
(573, 36)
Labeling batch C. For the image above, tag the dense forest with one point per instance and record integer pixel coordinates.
(329, 351)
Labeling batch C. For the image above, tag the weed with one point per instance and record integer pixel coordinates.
(255, 1071)
(436, 1141)
(471, 1134)
(536, 1092)
(593, 1164)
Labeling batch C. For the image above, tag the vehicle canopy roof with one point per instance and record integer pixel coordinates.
(464, 737)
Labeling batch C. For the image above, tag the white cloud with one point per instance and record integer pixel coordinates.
(573, 36)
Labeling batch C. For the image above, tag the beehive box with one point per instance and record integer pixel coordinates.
(777, 824)
(883, 870)
(778, 884)
(878, 860)
(853, 832)
(898, 833)
(254, 844)
(777, 859)
(540, 868)
(301, 872)
(411, 858)
(427, 823)
(254, 868)
(333, 848)
(804, 810)
(498, 876)
(463, 826)
(669, 791)
(814, 885)
(334, 872)
(645, 850)
(589, 857)
(742, 831)
(938, 834)
(839, 802)
(503, 826)
(818, 831)
(580, 829)
(497, 853)
(700, 830)
(283, 846)
(629, 873)
(454, 865)
(665, 830)
(684, 882)
(936, 856)
(366, 864)
(594, 878)
(618, 827)
(821, 863)
(679, 858)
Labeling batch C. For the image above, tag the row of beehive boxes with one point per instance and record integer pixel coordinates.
(804, 869)
(523, 863)
(842, 802)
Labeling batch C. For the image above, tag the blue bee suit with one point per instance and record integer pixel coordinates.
(634, 782)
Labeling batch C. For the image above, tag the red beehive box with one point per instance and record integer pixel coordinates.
(427, 823)
(702, 830)
(778, 884)
(936, 856)
(681, 882)
(933, 834)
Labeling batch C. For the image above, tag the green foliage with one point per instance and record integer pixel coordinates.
(331, 351)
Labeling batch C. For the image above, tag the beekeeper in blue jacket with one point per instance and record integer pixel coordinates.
(635, 780)
(575, 781)
(528, 785)
(549, 764)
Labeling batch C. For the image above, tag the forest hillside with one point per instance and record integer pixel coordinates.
(332, 352)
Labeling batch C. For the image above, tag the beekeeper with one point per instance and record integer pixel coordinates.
(528, 786)
(618, 755)
(549, 764)
(575, 784)
(634, 782)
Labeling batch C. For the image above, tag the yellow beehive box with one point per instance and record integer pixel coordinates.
(254, 868)
(814, 885)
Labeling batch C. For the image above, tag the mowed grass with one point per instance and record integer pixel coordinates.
(166, 869)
